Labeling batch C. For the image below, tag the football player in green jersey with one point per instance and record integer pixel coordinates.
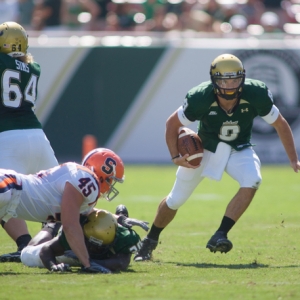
(24, 146)
(225, 108)
(110, 244)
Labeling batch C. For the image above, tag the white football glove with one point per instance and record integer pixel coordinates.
(60, 268)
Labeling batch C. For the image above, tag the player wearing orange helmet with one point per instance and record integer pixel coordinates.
(61, 193)
(108, 167)
(110, 244)
(24, 146)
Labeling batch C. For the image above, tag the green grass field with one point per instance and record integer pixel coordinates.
(263, 264)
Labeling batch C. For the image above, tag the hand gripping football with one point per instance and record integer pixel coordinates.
(189, 142)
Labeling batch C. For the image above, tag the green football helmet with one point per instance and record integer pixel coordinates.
(100, 228)
(227, 76)
(13, 39)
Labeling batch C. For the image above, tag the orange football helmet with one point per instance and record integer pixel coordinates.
(108, 167)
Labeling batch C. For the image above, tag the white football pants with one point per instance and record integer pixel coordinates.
(243, 166)
(26, 151)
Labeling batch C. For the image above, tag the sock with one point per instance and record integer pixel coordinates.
(154, 232)
(226, 224)
(22, 241)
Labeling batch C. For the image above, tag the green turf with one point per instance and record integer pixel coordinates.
(263, 264)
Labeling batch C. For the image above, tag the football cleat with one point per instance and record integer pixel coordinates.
(11, 257)
(122, 210)
(219, 242)
(145, 252)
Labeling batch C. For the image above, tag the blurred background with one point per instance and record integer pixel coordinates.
(254, 17)
(117, 69)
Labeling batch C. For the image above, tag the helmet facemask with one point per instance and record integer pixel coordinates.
(227, 76)
(228, 87)
(112, 192)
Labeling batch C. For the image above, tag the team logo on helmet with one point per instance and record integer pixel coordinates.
(108, 167)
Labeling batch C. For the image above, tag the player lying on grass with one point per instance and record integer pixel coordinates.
(110, 245)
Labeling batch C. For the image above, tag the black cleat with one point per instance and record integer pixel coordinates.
(145, 252)
(11, 257)
(219, 242)
(122, 210)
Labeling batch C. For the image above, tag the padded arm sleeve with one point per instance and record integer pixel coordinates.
(272, 116)
(182, 118)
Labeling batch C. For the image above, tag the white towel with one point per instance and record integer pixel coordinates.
(216, 162)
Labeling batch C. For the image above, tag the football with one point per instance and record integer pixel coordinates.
(189, 142)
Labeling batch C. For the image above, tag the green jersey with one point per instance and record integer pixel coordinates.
(127, 241)
(19, 83)
(215, 125)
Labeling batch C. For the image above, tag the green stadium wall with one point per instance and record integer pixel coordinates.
(123, 95)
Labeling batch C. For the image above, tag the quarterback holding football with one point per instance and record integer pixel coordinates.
(225, 108)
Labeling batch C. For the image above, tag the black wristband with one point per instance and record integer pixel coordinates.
(175, 157)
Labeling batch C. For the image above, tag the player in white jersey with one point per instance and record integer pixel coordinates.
(20, 128)
(62, 192)
(38, 197)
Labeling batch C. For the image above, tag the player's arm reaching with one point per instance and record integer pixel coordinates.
(129, 222)
(118, 262)
(49, 251)
(72, 200)
(285, 134)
